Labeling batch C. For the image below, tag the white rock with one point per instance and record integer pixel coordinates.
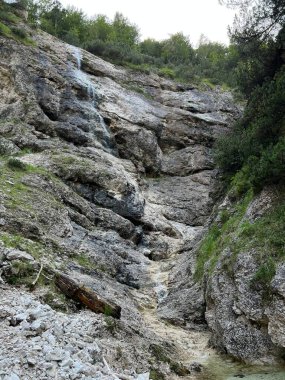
(31, 360)
(57, 355)
(67, 363)
(38, 326)
(12, 376)
(143, 376)
(78, 367)
(21, 317)
(15, 254)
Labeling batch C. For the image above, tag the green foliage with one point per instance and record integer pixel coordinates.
(5, 30)
(167, 72)
(220, 237)
(159, 354)
(21, 33)
(8, 16)
(23, 273)
(55, 299)
(151, 48)
(256, 145)
(9, 19)
(111, 324)
(177, 49)
(123, 31)
(117, 40)
(265, 273)
(16, 164)
(86, 262)
(207, 250)
(240, 183)
(155, 374)
(108, 311)
(216, 63)
(265, 236)
(19, 242)
(263, 277)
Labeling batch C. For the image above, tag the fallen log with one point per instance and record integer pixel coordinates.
(86, 296)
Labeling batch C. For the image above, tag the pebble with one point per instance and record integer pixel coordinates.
(12, 376)
(43, 344)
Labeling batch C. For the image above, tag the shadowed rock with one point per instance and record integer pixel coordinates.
(86, 296)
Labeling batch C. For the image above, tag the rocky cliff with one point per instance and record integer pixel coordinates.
(107, 184)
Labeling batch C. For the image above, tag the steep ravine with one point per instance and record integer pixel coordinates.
(106, 177)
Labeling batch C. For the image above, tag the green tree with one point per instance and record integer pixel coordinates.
(123, 32)
(257, 19)
(177, 49)
(151, 47)
(99, 28)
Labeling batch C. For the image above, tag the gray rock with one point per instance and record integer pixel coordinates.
(15, 254)
(12, 376)
(143, 376)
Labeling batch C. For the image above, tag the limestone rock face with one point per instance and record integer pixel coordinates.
(246, 316)
(101, 182)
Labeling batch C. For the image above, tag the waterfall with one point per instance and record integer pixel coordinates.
(78, 56)
(84, 81)
(81, 77)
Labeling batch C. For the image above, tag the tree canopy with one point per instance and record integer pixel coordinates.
(255, 148)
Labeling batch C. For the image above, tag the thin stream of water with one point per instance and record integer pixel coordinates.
(83, 79)
(192, 346)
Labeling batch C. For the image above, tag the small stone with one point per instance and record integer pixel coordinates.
(57, 355)
(143, 376)
(48, 365)
(12, 376)
(25, 325)
(78, 367)
(50, 338)
(195, 367)
(21, 317)
(31, 361)
(37, 348)
(38, 326)
(67, 363)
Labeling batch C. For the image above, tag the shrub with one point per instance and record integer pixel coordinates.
(5, 30)
(19, 32)
(155, 374)
(256, 145)
(167, 72)
(8, 17)
(265, 272)
(16, 164)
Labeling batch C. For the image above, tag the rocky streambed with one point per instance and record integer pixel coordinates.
(107, 178)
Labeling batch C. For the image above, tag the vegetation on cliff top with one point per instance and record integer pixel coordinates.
(118, 41)
(255, 148)
(9, 24)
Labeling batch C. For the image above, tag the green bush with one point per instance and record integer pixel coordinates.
(265, 272)
(167, 72)
(256, 145)
(18, 32)
(16, 164)
(8, 17)
(5, 30)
